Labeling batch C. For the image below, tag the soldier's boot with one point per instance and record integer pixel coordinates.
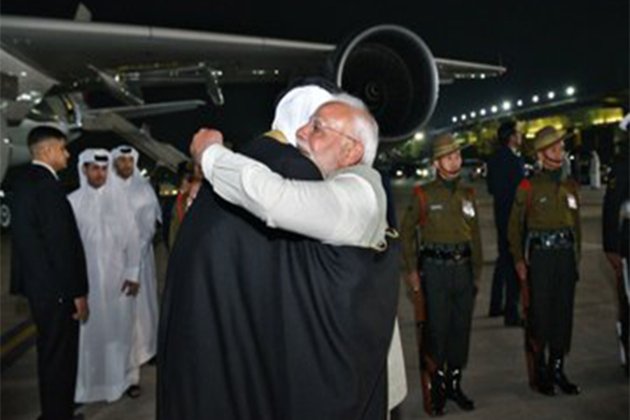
(544, 384)
(559, 378)
(454, 390)
(438, 393)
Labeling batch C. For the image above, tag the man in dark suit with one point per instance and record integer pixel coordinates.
(505, 172)
(48, 268)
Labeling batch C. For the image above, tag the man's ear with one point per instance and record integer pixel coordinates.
(354, 154)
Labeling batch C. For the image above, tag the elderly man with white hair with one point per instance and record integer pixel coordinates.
(111, 241)
(302, 329)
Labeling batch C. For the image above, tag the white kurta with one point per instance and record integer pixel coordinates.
(147, 212)
(111, 242)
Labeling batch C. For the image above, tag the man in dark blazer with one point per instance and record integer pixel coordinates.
(505, 172)
(48, 268)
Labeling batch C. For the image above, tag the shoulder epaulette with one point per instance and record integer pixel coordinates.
(525, 185)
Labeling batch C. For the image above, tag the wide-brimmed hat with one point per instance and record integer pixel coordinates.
(444, 145)
(548, 136)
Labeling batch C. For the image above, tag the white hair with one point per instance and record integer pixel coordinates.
(364, 128)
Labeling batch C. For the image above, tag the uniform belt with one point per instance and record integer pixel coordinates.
(552, 239)
(453, 256)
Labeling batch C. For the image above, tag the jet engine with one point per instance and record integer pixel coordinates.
(393, 71)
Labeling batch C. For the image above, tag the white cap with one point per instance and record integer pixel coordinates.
(296, 107)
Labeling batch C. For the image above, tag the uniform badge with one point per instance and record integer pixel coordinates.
(435, 207)
(468, 208)
(572, 202)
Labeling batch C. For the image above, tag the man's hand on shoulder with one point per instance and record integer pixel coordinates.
(203, 139)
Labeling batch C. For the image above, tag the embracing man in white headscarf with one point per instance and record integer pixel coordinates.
(111, 241)
(147, 212)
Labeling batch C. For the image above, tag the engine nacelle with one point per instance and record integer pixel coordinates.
(393, 71)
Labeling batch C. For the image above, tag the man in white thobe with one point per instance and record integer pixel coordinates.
(146, 208)
(111, 241)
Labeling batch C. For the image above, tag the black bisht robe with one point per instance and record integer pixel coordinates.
(257, 323)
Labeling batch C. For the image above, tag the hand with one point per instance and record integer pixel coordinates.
(615, 262)
(521, 270)
(131, 287)
(203, 139)
(413, 280)
(524, 299)
(83, 311)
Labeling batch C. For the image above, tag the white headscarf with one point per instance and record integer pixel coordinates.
(126, 150)
(100, 157)
(296, 107)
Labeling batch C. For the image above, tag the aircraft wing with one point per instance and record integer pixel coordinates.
(388, 66)
(63, 48)
(51, 45)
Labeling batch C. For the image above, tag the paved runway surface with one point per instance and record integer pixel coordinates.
(495, 377)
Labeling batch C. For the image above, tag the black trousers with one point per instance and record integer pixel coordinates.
(57, 356)
(552, 276)
(504, 277)
(449, 298)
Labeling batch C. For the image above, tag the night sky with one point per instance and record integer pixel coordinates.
(544, 44)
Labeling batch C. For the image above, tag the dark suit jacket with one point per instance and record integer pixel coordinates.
(48, 261)
(505, 173)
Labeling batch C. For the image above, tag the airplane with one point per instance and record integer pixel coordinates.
(47, 65)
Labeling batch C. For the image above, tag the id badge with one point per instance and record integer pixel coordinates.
(468, 208)
(572, 202)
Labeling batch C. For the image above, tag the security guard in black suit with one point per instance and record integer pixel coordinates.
(505, 172)
(616, 233)
(48, 268)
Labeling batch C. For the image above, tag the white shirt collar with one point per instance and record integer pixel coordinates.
(47, 166)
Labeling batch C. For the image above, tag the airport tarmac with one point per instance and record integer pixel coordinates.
(496, 375)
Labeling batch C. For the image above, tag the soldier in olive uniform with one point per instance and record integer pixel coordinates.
(544, 236)
(445, 214)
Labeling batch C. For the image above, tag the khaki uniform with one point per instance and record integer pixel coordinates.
(451, 259)
(544, 230)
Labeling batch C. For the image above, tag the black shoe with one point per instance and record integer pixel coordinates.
(559, 378)
(438, 394)
(513, 322)
(133, 391)
(493, 313)
(455, 393)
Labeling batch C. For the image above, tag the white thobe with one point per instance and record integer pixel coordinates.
(345, 209)
(147, 212)
(111, 242)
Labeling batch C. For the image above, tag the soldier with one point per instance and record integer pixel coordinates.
(544, 237)
(445, 212)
